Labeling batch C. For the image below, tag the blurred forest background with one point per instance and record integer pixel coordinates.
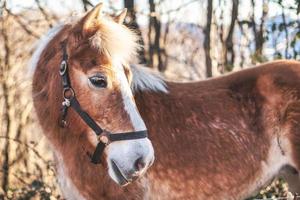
(183, 39)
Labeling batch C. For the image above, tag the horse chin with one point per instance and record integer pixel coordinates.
(116, 174)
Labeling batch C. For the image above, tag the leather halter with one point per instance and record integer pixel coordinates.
(70, 100)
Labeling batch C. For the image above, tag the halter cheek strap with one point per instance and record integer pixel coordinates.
(70, 100)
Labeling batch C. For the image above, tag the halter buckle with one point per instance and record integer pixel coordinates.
(63, 68)
(104, 137)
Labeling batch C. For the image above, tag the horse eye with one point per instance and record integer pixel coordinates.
(98, 81)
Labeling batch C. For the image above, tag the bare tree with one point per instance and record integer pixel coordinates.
(44, 13)
(207, 38)
(18, 32)
(131, 22)
(258, 32)
(86, 4)
(229, 51)
(5, 65)
(285, 29)
(154, 34)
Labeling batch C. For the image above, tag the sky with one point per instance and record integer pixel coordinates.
(190, 14)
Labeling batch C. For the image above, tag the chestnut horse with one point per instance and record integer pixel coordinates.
(84, 104)
(223, 138)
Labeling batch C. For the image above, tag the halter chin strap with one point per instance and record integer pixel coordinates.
(70, 100)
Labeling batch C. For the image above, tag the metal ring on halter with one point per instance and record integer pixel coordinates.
(63, 67)
(72, 93)
(104, 137)
(63, 123)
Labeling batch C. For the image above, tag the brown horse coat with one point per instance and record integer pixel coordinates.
(225, 137)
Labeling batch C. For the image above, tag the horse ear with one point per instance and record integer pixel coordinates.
(121, 17)
(88, 21)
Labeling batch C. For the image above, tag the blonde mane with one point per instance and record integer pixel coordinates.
(145, 79)
(41, 45)
(115, 40)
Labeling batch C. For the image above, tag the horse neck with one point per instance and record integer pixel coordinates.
(166, 116)
(157, 110)
(155, 104)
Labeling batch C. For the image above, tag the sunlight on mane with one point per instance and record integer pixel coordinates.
(41, 45)
(145, 79)
(115, 40)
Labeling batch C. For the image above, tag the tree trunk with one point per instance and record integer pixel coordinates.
(132, 24)
(229, 51)
(86, 4)
(207, 39)
(258, 33)
(7, 117)
(6, 157)
(155, 51)
(284, 24)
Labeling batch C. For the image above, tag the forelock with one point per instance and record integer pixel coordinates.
(116, 40)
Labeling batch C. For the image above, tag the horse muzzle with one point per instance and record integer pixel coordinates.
(129, 160)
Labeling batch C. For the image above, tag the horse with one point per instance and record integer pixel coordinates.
(84, 104)
(221, 138)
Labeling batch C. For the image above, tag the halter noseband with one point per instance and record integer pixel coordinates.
(70, 100)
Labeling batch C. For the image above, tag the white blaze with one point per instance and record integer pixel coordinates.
(125, 153)
(128, 99)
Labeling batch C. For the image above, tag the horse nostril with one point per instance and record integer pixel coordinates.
(139, 164)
